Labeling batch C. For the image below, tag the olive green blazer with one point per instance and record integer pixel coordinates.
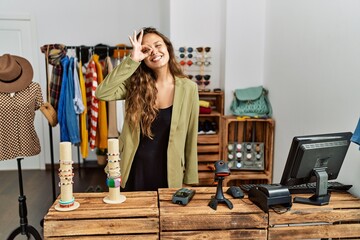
(182, 159)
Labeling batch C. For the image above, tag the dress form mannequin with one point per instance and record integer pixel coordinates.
(20, 98)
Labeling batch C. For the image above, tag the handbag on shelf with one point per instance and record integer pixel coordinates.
(251, 102)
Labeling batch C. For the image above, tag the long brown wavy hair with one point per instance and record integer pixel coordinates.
(141, 93)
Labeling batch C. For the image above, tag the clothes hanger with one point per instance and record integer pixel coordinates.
(118, 60)
(90, 53)
(80, 59)
(124, 56)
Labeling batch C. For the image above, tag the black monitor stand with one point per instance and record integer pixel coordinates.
(24, 228)
(321, 197)
(219, 197)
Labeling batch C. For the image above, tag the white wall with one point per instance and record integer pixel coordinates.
(200, 24)
(245, 32)
(312, 69)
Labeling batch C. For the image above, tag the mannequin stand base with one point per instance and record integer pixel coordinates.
(121, 199)
(29, 231)
(24, 228)
(66, 209)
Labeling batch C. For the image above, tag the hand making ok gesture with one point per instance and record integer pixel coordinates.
(139, 52)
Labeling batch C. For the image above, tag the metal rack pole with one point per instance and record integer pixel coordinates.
(50, 138)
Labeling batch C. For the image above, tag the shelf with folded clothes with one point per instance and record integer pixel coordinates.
(213, 113)
(209, 134)
(211, 110)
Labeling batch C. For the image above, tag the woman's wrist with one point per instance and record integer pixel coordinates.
(135, 58)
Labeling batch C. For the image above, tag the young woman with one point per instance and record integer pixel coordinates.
(158, 142)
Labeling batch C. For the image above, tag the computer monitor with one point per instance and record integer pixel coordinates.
(315, 158)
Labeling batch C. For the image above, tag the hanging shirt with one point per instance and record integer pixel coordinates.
(91, 77)
(78, 102)
(71, 117)
(64, 136)
(18, 137)
(102, 127)
(84, 143)
(69, 130)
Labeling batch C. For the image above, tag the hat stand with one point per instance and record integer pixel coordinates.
(24, 228)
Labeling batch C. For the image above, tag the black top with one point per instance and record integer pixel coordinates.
(149, 168)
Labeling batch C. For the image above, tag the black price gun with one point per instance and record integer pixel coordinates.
(183, 196)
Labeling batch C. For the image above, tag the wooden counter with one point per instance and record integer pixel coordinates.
(339, 219)
(152, 215)
(136, 218)
(198, 221)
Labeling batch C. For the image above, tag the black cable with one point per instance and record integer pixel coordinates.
(280, 209)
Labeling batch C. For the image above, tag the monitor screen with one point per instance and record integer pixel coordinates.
(316, 158)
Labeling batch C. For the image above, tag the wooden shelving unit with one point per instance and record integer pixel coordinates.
(249, 130)
(210, 145)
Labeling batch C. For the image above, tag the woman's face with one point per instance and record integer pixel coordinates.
(159, 55)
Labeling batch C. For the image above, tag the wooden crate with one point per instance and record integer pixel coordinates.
(339, 219)
(265, 132)
(198, 221)
(136, 218)
(216, 99)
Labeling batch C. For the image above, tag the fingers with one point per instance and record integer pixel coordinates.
(139, 52)
(141, 36)
(134, 40)
(134, 36)
(131, 41)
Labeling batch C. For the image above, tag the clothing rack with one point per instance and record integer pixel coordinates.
(82, 52)
(100, 46)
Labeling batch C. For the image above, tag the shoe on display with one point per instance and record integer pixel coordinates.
(201, 128)
(209, 127)
(214, 126)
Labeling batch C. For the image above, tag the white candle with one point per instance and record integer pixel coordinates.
(65, 151)
(113, 145)
(66, 187)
